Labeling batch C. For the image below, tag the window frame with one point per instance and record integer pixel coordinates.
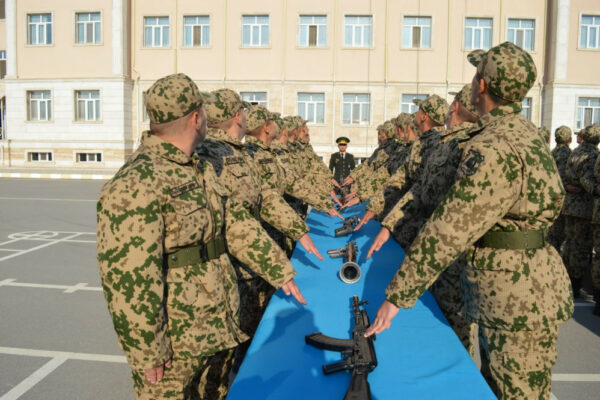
(76, 154)
(403, 25)
(183, 36)
(3, 58)
(354, 46)
(250, 45)
(28, 157)
(411, 104)
(595, 111)
(529, 117)
(152, 47)
(49, 105)
(343, 103)
(582, 14)
(76, 13)
(535, 25)
(51, 23)
(316, 123)
(76, 108)
(316, 46)
(254, 92)
(491, 18)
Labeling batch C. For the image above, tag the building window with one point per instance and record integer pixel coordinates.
(313, 31)
(255, 30)
(89, 157)
(526, 108)
(42, 156)
(196, 31)
(522, 33)
(358, 30)
(39, 105)
(40, 29)
(589, 35)
(356, 109)
(311, 107)
(588, 111)
(255, 98)
(87, 105)
(2, 9)
(478, 33)
(88, 28)
(2, 64)
(407, 105)
(416, 33)
(156, 32)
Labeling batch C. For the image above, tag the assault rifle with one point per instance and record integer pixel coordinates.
(348, 227)
(359, 353)
(350, 271)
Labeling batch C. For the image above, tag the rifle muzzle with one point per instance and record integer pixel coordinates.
(350, 272)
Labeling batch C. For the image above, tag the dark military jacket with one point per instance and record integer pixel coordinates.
(159, 202)
(561, 155)
(341, 166)
(506, 181)
(580, 173)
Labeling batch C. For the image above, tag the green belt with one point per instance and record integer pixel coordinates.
(197, 254)
(514, 240)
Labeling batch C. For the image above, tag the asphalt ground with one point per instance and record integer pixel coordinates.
(56, 337)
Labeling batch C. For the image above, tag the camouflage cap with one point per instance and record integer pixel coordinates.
(300, 121)
(545, 132)
(278, 120)
(400, 119)
(173, 97)
(257, 116)
(562, 134)
(388, 128)
(464, 97)
(290, 123)
(508, 71)
(591, 134)
(223, 106)
(435, 107)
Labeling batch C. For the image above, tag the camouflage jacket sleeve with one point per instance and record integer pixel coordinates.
(130, 254)
(472, 206)
(375, 183)
(398, 180)
(586, 173)
(302, 190)
(248, 242)
(277, 212)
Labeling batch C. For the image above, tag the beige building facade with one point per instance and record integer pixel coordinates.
(76, 71)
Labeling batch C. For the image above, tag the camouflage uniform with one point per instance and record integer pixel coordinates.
(596, 239)
(561, 153)
(578, 208)
(515, 286)
(163, 221)
(545, 133)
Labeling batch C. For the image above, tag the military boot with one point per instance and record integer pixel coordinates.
(597, 300)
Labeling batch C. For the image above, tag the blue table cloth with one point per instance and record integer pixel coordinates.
(420, 357)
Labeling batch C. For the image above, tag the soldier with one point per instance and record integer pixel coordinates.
(561, 153)
(341, 163)
(545, 133)
(596, 239)
(163, 224)
(507, 192)
(578, 208)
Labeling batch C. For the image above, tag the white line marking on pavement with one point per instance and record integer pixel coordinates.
(553, 397)
(575, 377)
(33, 379)
(38, 247)
(16, 351)
(65, 288)
(9, 250)
(49, 199)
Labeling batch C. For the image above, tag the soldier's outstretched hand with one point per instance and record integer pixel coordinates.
(290, 288)
(335, 212)
(365, 218)
(155, 374)
(351, 203)
(380, 239)
(383, 320)
(348, 181)
(335, 198)
(335, 183)
(308, 244)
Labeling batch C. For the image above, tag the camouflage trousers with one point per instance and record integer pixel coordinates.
(200, 378)
(518, 365)
(448, 294)
(578, 247)
(596, 259)
(556, 233)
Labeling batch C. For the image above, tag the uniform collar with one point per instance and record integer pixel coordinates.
(463, 126)
(276, 144)
(257, 142)
(222, 136)
(165, 149)
(496, 114)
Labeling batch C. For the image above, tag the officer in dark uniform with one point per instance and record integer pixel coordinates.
(341, 163)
